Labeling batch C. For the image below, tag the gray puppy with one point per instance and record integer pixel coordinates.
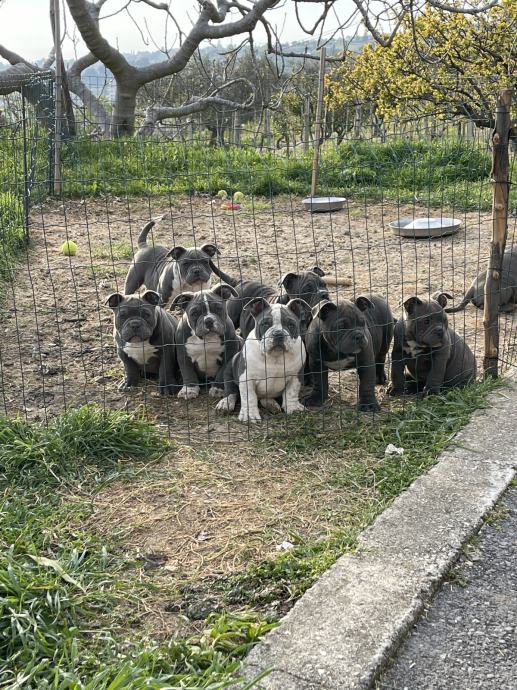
(144, 334)
(270, 364)
(206, 340)
(349, 335)
(307, 285)
(508, 293)
(428, 356)
(171, 271)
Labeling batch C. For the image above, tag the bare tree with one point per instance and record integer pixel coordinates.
(214, 20)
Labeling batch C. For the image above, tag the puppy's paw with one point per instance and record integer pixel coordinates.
(394, 391)
(369, 406)
(380, 378)
(270, 405)
(167, 388)
(125, 385)
(427, 392)
(313, 401)
(251, 416)
(294, 406)
(227, 404)
(189, 392)
(216, 392)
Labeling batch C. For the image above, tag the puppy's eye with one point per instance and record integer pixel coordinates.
(427, 322)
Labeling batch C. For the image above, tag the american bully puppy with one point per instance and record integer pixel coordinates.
(307, 286)
(270, 363)
(206, 340)
(144, 335)
(349, 335)
(172, 271)
(428, 356)
(508, 293)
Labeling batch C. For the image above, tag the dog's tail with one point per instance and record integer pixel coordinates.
(142, 237)
(459, 307)
(222, 275)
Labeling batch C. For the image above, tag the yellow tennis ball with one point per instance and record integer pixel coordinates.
(238, 197)
(69, 248)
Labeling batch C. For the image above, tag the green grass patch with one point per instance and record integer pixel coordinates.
(439, 173)
(67, 596)
(422, 429)
(60, 586)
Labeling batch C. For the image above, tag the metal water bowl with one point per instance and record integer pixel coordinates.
(416, 228)
(323, 204)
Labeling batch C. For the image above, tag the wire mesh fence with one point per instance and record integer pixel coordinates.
(236, 195)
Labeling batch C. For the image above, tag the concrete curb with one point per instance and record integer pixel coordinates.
(341, 632)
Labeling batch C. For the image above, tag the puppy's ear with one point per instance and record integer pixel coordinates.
(410, 304)
(323, 310)
(152, 297)
(363, 303)
(287, 280)
(224, 291)
(210, 249)
(114, 300)
(317, 270)
(181, 301)
(177, 253)
(300, 309)
(441, 298)
(256, 306)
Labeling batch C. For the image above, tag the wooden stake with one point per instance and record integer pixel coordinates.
(500, 182)
(317, 136)
(58, 108)
(337, 280)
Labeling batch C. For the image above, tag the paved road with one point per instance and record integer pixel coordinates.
(467, 640)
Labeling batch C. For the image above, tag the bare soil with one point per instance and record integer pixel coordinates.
(57, 349)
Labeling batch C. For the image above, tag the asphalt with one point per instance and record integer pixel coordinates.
(343, 631)
(467, 639)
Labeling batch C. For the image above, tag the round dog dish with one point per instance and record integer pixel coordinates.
(323, 204)
(425, 227)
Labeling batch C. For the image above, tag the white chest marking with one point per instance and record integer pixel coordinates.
(268, 373)
(412, 348)
(205, 352)
(142, 352)
(341, 364)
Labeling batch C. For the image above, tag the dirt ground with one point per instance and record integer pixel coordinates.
(57, 349)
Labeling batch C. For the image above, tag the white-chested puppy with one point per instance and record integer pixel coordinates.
(270, 364)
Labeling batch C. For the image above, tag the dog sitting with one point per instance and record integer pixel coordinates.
(349, 335)
(144, 335)
(206, 340)
(428, 356)
(270, 363)
(172, 271)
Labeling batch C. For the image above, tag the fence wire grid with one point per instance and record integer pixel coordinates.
(57, 349)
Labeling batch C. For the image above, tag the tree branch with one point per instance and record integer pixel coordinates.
(156, 114)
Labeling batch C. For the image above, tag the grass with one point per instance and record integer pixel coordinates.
(60, 585)
(423, 430)
(440, 173)
(68, 595)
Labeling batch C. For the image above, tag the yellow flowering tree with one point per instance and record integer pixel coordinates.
(441, 64)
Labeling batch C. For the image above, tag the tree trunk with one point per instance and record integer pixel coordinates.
(123, 118)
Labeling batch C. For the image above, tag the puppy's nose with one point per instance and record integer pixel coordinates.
(358, 337)
(209, 321)
(278, 337)
(439, 332)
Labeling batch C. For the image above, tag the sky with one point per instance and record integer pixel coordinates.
(25, 26)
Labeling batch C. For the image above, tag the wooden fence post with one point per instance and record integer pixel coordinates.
(317, 135)
(58, 105)
(500, 182)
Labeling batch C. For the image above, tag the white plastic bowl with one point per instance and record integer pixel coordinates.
(425, 227)
(323, 204)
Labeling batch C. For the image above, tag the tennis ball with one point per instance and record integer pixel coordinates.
(238, 197)
(69, 248)
(222, 194)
